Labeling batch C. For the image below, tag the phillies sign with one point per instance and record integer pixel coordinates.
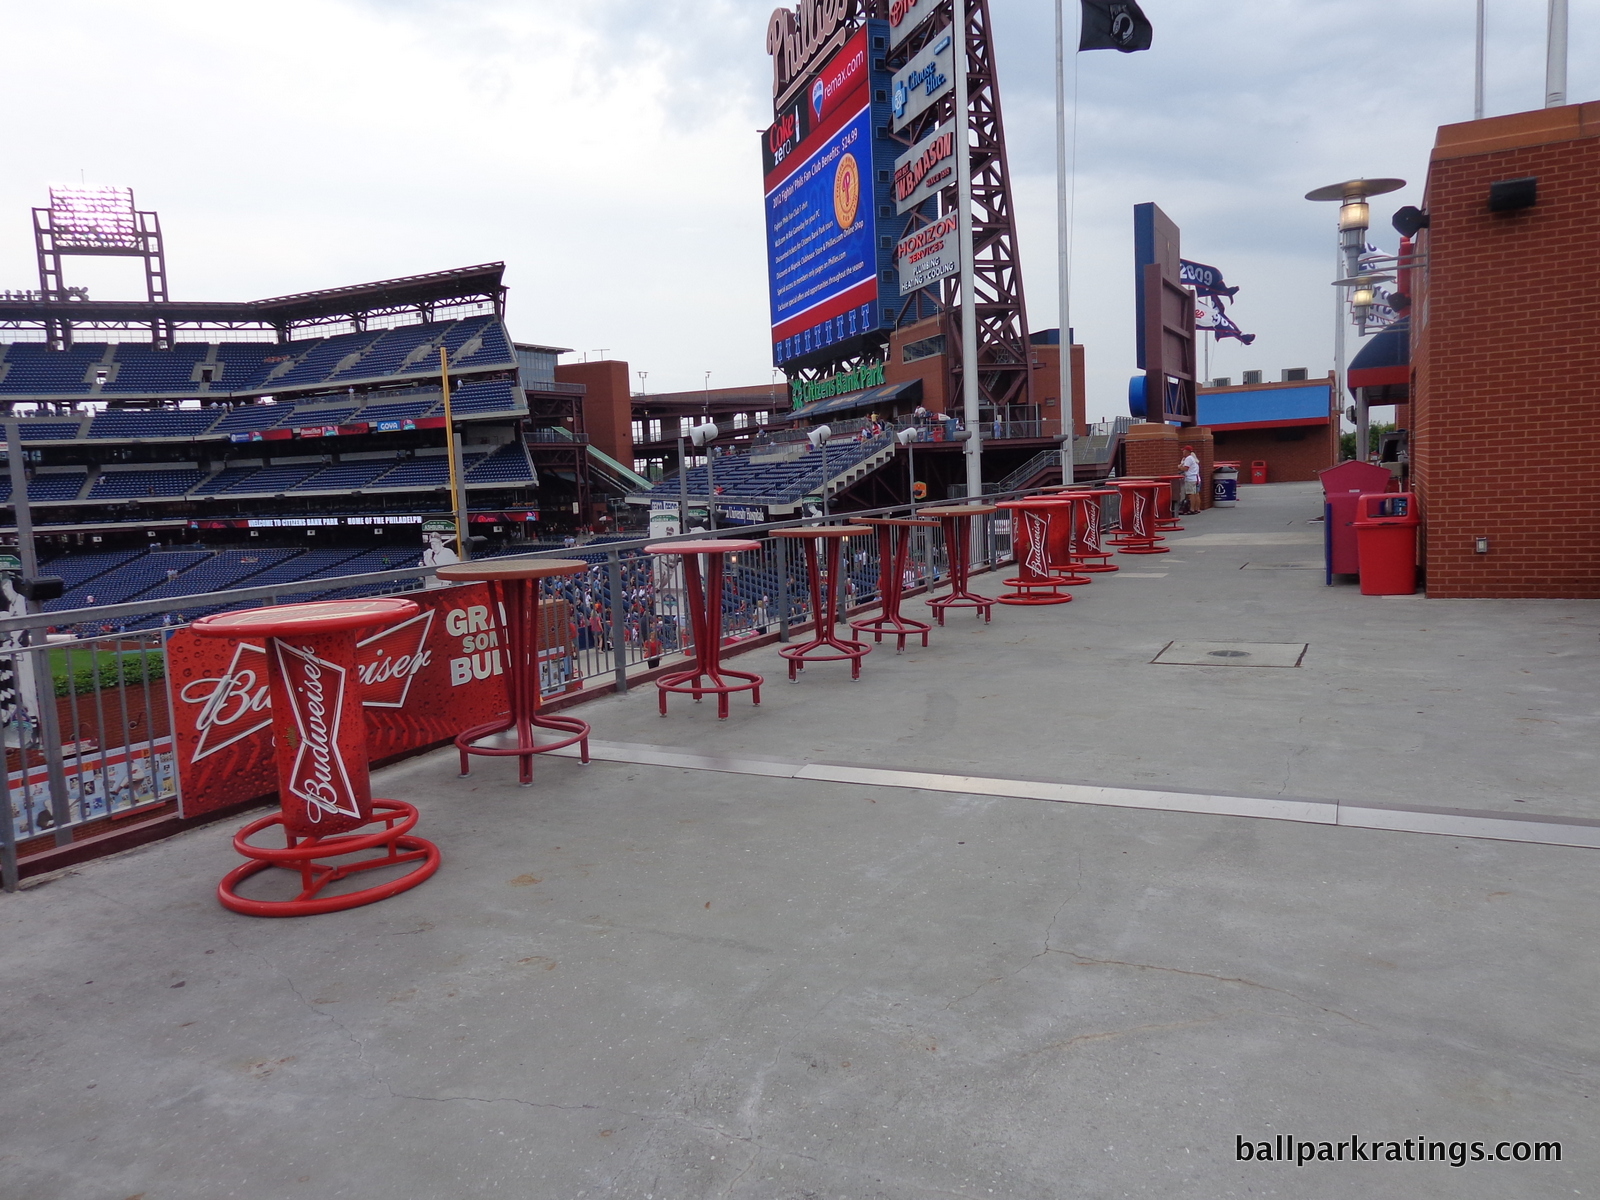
(800, 38)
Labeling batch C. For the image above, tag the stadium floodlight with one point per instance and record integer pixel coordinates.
(94, 218)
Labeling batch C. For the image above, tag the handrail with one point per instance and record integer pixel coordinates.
(404, 577)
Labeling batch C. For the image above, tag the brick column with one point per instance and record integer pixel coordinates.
(1152, 449)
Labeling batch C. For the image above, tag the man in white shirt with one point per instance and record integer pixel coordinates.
(1191, 481)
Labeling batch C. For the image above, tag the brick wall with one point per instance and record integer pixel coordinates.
(607, 406)
(1151, 449)
(1507, 360)
(1293, 454)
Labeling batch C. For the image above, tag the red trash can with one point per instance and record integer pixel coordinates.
(1386, 543)
(1258, 471)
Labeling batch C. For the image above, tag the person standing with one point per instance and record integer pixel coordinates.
(1191, 481)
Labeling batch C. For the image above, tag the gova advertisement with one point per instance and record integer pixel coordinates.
(821, 201)
(421, 681)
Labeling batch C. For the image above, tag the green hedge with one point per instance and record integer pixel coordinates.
(107, 673)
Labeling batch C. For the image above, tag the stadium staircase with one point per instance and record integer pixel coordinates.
(781, 482)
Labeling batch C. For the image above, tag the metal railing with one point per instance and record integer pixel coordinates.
(86, 722)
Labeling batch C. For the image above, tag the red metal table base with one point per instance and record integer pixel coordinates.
(894, 549)
(302, 854)
(958, 549)
(517, 602)
(1139, 507)
(320, 742)
(1041, 576)
(705, 617)
(824, 647)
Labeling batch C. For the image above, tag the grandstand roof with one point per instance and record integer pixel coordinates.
(280, 312)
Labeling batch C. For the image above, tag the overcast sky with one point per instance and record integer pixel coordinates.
(606, 151)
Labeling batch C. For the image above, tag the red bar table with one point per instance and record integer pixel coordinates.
(1079, 542)
(514, 588)
(1034, 526)
(320, 741)
(823, 540)
(957, 521)
(1139, 508)
(1166, 513)
(894, 548)
(705, 618)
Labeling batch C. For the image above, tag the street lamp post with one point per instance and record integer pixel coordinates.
(818, 438)
(1355, 218)
(907, 437)
(702, 436)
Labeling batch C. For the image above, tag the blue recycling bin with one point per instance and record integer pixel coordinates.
(1225, 485)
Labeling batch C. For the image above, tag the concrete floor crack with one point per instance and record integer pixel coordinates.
(1085, 961)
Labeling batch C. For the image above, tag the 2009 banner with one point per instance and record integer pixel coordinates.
(422, 680)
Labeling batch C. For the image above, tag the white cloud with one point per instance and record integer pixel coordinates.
(606, 150)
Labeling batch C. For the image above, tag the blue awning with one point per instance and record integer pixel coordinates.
(887, 393)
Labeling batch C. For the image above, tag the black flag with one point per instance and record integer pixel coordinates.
(1114, 25)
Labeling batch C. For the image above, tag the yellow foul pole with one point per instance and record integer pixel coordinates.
(450, 454)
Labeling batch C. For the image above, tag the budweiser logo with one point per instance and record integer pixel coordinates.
(316, 693)
(388, 661)
(1037, 529)
(233, 705)
(1140, 509)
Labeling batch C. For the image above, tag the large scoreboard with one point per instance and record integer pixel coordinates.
(831, 217)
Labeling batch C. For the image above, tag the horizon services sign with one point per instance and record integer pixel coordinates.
(928, 255)
(926, 169)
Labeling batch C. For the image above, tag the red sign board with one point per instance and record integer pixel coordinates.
(418, 682)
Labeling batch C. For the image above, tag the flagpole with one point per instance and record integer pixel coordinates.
(1555, 55)
(1477, 69)
(973, 448)
(1063, 251)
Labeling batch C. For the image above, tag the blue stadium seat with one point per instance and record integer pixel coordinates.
(152, 423)
(123, 485)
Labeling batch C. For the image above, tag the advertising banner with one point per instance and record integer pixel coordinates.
(420, 681)
(97, 783)
(925, 169)
(821, 240)
(906, 15)
(928, 255)
(923, 80)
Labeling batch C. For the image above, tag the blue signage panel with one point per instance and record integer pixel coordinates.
(822, 254)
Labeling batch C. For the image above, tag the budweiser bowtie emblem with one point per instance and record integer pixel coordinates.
(1140, 508)
(389, 660)
(315, 688)
(232, 706)
(1037, 527)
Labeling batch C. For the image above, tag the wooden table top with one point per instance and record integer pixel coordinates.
(510, 568)
(822, 531)
(708, 546)
(960, 510)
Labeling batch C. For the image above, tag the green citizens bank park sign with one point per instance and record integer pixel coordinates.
(803, 391)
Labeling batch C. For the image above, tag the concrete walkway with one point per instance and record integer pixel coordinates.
(637, 980)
